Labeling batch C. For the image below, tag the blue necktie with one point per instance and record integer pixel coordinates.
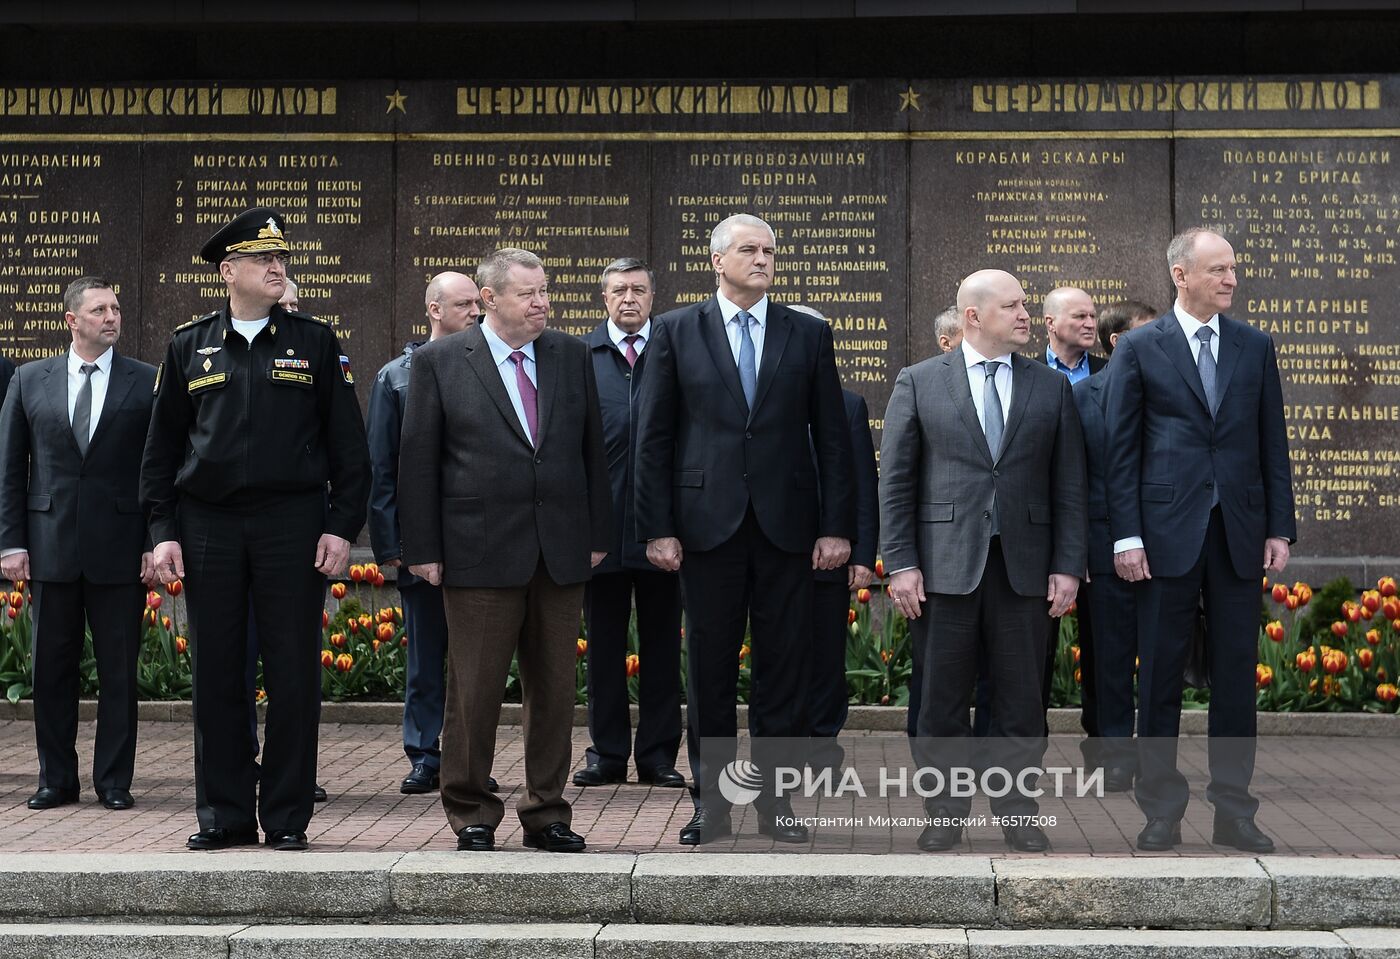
(748, 366)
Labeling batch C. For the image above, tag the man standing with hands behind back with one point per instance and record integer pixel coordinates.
(510, 511)
(1199, 455)
(70, 460)
(745, 485)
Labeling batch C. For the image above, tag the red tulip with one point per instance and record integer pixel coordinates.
(1386, 693)
(850, 616)
(1386, 585)
(862, 596)
(1275, 631)
(174, 588)
(1339, 629)
(357, 573)
(1280, 592)
(1364, 657)
(327, 659)
(181, 644)
(338, 590)
(153, 600)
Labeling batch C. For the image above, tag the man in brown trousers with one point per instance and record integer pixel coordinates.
(505, 502)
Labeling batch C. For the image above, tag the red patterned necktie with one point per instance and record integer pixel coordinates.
(528, 395)
(631, 339)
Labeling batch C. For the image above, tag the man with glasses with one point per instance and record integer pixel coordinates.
(255, 481)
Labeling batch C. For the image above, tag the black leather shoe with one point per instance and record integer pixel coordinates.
(116, 798)
(422, 778)
(666, 776)
(492, 785)
(319, 794)
(556, 837)
(210, 839)
(596, 774)
(47, 797)
(1242, 834)
(1159, 835)
(1026, 838)
(705, 827)
(286, 840)
(478, 838)
(1117, 779)
(940, 836)
(778, 823)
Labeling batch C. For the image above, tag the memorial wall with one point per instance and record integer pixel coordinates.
(883, 194)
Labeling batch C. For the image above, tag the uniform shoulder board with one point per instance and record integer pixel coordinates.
(307, 316)
(196, 321)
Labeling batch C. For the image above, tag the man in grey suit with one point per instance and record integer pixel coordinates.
(511, 508)
(71, 434)
(983, 524)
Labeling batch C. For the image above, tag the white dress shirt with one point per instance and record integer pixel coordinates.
(759, 311)
(977, 378)
(100, 378)
(1189, 325)
(616, 333)
(500, 352)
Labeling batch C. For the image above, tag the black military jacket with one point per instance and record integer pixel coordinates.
(237, 423)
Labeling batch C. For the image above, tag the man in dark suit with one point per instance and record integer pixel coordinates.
(503, 448)
(1107, 610)
(827, 698)
(744, 484)
(7, 370)
(618, 346)
(452, 302)
(982, 448)
(1196, 435)
(72, 429)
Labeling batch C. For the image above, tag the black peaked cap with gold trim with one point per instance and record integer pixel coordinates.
(259, 230)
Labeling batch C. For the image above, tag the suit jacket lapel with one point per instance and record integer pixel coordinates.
(118, 386)
(775, 339)
(547, 384)
(955, 377)
(1021, 389)
(712, 331)
(56, 389)
(1171, 341)
(484, 365)
(1231, 345)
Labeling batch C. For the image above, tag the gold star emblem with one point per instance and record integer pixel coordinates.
(396, 102)
(909, 100)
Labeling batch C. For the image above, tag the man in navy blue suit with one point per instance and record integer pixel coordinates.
(1196, 436)
(1107, 611)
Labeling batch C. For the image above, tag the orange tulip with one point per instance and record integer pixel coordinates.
(366, 620)
(327, 659)
(386, 615)
(1074, 651)
(634, 665)
(371, 570)
(1266, 584)
(1263, 675)
(174, 588)
(385, 631)
(1305, 661)
(851, 616)
(1364, 657)
(1334, 661)
(338, 590)
(1390, 609)
(149, 616)
(19, 586)
(344, 662)
(1386, 692)
(1371, 599)
(165, 622)
(260, 696)
(880, 568)
(743, 652)
(582, 648)
(353, 624)
(1352, 611)
(862, 596)
(1339, 629)
(4, 600)
(1078, 676)
(1373, 636)
(1280, 592)
(1366, 613)
(1386, 586)
(357, 573)
(378, 579)
(338, 640)
(153, 600)
(181, 644)
(1275, 631)
(1303, 591)
(325, 619)
(1293, 602)
(374, 646)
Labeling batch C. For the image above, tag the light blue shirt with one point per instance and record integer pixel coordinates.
(759, 311)
(1077, 372)
(500, 353)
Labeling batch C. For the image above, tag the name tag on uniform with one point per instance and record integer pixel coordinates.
(292, 376)
(207, 382)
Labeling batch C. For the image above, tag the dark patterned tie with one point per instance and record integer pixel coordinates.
(82, 409)
(528, 395)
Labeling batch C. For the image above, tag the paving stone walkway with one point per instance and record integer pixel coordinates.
(1320, 797)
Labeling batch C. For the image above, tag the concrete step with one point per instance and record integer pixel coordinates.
(1026, 893)
(629, 941)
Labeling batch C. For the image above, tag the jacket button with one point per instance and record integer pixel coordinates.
(996, 472)
(538, 460)
(986, 514)
(1210, 484)
(539, 502)
(748, 436)
(626, 376)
